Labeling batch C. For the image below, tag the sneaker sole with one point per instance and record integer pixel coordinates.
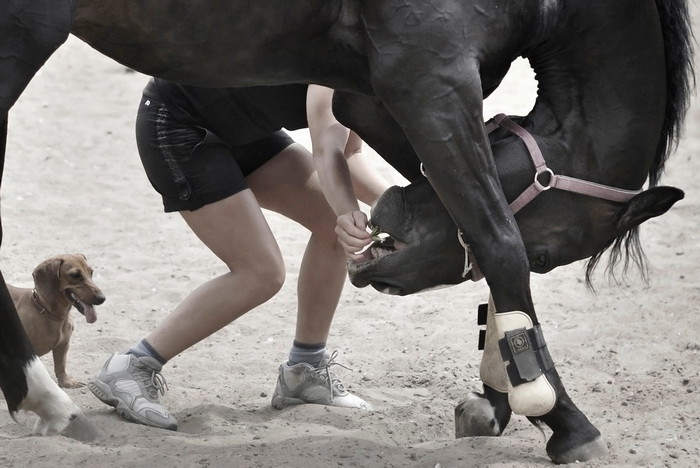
(280, 402)
(104, 394)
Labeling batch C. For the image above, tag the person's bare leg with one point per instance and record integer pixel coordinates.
(236, 231)
(288, 185)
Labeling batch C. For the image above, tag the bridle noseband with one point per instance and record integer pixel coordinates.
(561, 182)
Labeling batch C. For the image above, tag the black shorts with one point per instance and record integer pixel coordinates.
(190, 166)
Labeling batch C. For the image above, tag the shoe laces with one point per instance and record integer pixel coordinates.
(155, 382)
(326, 374)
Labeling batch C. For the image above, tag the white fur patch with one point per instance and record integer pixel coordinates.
(44, 398)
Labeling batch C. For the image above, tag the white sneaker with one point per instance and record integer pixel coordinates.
(131, 384)
(303, 383)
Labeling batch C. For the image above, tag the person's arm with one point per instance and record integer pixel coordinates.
(368, 184)
(329, 140)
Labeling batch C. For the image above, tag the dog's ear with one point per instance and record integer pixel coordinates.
(48, 272)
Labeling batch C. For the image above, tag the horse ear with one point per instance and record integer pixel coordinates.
(648, 204)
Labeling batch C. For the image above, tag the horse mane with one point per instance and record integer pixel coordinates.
(680, 81)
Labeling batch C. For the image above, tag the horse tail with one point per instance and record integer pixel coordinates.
(680, 78)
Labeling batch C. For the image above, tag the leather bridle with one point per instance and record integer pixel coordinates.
(561, 182)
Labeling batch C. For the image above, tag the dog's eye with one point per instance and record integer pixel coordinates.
(76, 275)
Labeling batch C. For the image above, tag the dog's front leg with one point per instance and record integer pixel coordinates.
(60, 353)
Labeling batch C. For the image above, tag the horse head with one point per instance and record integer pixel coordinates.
(422, 251)
(557, 228)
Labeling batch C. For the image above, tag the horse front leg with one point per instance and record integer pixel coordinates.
(30, 31)
(518, 375)
(437, 100)
(531, 389)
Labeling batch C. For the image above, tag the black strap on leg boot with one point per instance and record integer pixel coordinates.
(526, 354)
(481, 314)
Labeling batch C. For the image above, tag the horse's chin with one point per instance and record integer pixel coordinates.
(362, 272)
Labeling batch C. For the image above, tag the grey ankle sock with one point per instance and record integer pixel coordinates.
(309, 353)
(144, 348)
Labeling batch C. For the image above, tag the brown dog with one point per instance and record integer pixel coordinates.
(59, 283)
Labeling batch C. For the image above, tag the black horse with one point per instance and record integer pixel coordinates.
(614, 78)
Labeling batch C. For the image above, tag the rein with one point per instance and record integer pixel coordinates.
(561, 182)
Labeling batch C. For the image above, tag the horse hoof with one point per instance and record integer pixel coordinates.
(80, 429)
(585, 452)
(474, 416)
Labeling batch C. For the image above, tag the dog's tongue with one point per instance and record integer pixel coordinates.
(89, 312)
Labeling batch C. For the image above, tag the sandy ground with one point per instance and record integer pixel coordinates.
(628, 354)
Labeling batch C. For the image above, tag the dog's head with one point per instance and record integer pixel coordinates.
(69, 276)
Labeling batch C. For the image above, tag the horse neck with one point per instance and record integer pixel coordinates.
(591, 97)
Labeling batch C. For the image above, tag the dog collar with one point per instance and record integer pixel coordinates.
(44, 310)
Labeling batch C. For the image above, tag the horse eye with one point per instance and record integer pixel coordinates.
(541, 261)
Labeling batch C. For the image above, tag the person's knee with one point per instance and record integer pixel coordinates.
(268, 275)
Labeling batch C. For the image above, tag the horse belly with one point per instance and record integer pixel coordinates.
(215, 43)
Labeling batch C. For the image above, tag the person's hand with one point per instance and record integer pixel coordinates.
(351, 230)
